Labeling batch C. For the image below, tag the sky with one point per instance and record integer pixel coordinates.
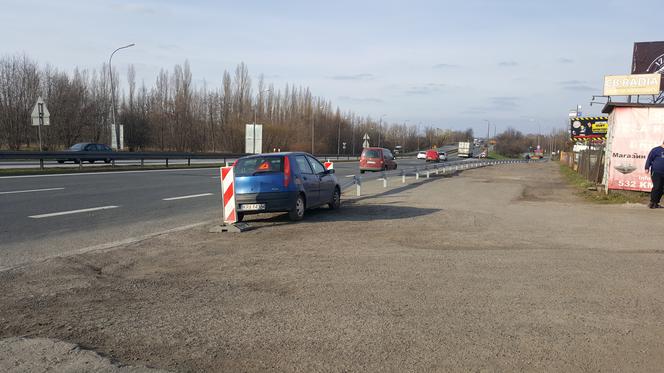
(447, 64)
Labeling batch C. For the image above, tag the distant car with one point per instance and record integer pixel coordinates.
(377, 159)
(87, 147)
(422, 155)
(432, 156)
(442, 156)
(283, 182)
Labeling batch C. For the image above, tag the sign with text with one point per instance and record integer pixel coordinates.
(633, 132)
(625, 85)
(588, 128)
(648, 57)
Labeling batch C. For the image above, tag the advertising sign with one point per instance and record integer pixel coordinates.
(625, 85)
(253, 140)
(588, 128)
(648, 58)
(633, 133)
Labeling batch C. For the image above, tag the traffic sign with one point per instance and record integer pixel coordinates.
(365, 144)
(40, 114)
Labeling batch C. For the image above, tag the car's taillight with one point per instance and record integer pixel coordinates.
(286, 172)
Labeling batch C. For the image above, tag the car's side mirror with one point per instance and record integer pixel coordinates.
(330, 171)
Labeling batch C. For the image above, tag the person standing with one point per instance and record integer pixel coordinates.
(655, 166)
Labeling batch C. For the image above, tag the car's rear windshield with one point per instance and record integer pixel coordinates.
(257, 165)
(371, 153)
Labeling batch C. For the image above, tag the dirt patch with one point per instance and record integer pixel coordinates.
(448, 274)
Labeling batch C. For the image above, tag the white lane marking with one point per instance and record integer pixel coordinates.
(109, 173)
(72, 212)
(189, 196)
(31, 190)
(350, 176)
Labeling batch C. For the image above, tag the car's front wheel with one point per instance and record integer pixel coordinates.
(335, 203)
(297, 213)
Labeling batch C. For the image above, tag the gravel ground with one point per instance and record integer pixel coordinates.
(498, 269)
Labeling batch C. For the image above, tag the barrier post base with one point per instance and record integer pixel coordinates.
(230, 228)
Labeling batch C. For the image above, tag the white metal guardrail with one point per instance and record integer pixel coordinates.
(427, 170)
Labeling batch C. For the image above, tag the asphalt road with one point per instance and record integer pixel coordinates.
(46, 215)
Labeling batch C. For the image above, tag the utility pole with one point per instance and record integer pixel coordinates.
(380, 127)
(258, 97)
(110, 70)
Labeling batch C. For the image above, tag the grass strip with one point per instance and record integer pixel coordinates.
(589, 191)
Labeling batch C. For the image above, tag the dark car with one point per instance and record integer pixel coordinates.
(284, 182)
(87, 147)
(377, 159)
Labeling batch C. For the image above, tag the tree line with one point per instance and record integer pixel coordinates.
(176, 115)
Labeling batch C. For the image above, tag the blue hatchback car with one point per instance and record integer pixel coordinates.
(284, 182)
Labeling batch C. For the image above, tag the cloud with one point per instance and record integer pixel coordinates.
(445, 66)
(426, 89)
(497, 103)
(508, 64)
(363, 76)
(361, 100)
(577, 85)
(565, 60)
(135, 8)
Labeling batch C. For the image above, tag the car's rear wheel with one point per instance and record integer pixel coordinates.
(335, 203)
(297, 213)
(361, 171)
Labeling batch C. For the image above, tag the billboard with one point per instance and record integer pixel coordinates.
(625, 85)
(648, 58)
(633, 132)
(253, 139)
(588, 128)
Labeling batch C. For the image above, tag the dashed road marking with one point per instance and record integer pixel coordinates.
(31, 190)
(189, 196)
(72, 212)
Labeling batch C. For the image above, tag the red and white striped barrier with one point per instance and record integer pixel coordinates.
(228, 194)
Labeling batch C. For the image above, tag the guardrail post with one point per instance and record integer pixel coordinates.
(427, 174)
(80, 164)
(142, 162)
(113, 163)
(358, 185)
(189, 161)
(41, 163)
(166, 162)
(384, 180)
(417, 174)
(403, 177)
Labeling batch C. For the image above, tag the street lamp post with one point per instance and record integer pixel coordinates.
(338, 136)
(110, 69)
(380, 127)
(255, 110)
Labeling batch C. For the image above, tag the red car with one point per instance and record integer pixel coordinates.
(377, 159)
(432, 156)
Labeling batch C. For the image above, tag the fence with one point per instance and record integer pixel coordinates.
(427, 171)
(164, 158)
(588, 163)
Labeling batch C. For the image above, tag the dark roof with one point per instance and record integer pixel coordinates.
(608, 108)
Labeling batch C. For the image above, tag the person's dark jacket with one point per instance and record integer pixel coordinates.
(655, 160)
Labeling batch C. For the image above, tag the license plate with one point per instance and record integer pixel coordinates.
(371, 162)
(252, 207)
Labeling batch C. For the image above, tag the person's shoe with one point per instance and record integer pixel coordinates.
(655, 205)
(651, 205)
